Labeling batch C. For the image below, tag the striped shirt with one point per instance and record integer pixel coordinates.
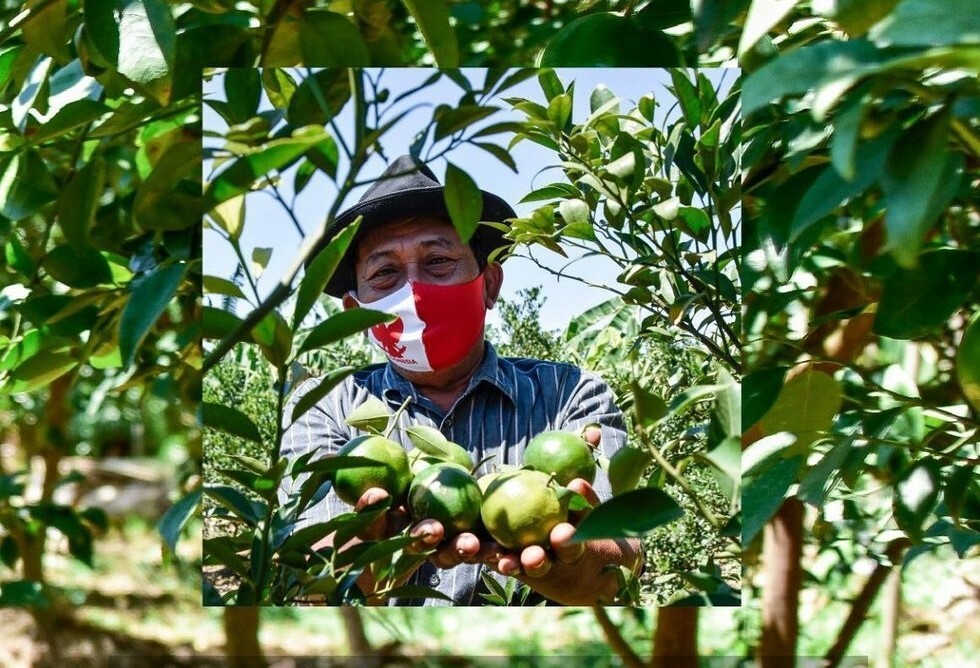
(507, 402)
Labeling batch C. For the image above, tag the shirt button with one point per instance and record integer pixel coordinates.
(433, 580)
(448, 423)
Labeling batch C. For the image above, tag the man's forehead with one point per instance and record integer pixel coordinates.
(399, 235)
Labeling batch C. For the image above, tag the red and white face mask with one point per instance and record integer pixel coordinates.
(437, 325)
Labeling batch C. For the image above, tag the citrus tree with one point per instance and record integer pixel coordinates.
(99, 209)
(860, 290)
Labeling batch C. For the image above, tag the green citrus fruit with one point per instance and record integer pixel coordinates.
(612, 41)
(392, 474)
(520, 508)
(448, 493)
(564, 454)
(968, 362)
(419, 460)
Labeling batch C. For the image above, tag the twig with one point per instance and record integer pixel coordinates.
(616, 640)
(861, 604)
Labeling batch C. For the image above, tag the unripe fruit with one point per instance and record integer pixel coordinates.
(447, 493)
(391, 474)
(520, 508)
(563, 454)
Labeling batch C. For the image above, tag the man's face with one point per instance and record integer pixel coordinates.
(427, 250)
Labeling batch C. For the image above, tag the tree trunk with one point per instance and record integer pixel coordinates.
(357, 640)
(242, 647)
(782, 579)
(675, 640)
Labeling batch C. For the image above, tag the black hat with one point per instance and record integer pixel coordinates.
(408, 188)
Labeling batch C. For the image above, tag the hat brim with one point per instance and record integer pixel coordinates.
(417, 202)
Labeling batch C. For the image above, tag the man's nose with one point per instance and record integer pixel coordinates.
(413, 271)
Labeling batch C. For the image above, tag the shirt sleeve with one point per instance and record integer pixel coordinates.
(315, 431)
(591, 401)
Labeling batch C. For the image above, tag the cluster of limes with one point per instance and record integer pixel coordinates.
(515, 508)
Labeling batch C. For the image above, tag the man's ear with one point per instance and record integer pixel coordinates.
(493, 279)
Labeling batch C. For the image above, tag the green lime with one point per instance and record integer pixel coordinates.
(520, 508)
(392, 474)
(609, 40)
(968, 362)
(564, 454)
(447, 493)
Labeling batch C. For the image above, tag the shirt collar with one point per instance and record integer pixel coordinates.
(490, 370)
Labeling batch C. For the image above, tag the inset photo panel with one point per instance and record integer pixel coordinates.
(471, 337)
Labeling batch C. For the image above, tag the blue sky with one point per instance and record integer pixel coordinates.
(267, 224)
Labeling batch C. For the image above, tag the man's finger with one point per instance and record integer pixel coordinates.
(429, 534)
(535, 562)
(377, 528)
(583, 487)
(466, 546)
(565, 550)
(509, 564)
(593, 435)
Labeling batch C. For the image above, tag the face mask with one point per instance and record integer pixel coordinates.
(437, 325)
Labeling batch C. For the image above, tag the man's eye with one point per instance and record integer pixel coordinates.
(439, 261)
(384, 271)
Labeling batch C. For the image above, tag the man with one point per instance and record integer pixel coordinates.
(408, 260)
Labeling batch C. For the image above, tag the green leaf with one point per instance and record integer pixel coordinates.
(173, 521)
(808, 68)
(967, 365)
(77, 268)
(72, 115)
(762, 17)
(242, 507)
(916, 302)
(418, 591)
(25, 186)
(39, 370)
(333, 85)
(274, 338)
(633, 513)
(345, 46)
(560, 110)
(18, 258)
(760, 391)
(229, 420)
(728, 404)
(22, 594)
(763, 494)
(916, 492)
(162, 201)
(551, 85)
(626, 468)
(648, 408)
(218, 323)
(694, 222)
(660, 14)
(687, 97)
(47, 29)
(138, 38)
(830, 190)
(916, 184)
(244, 171)
(222, 286)
(432, 18)
(847, 132)
(243, 91)
(929, 23)
(333, 378)
(320, 270)
(600, 97)
(372, 415)
(148, 299)
(806, 407)
(464, 201)
(342, 325)
(429, 440)
(79, 201)
(726, 458)
(821, 478)
(574, 211)
(450, 120)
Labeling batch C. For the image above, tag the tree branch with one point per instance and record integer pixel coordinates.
(616, 640)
